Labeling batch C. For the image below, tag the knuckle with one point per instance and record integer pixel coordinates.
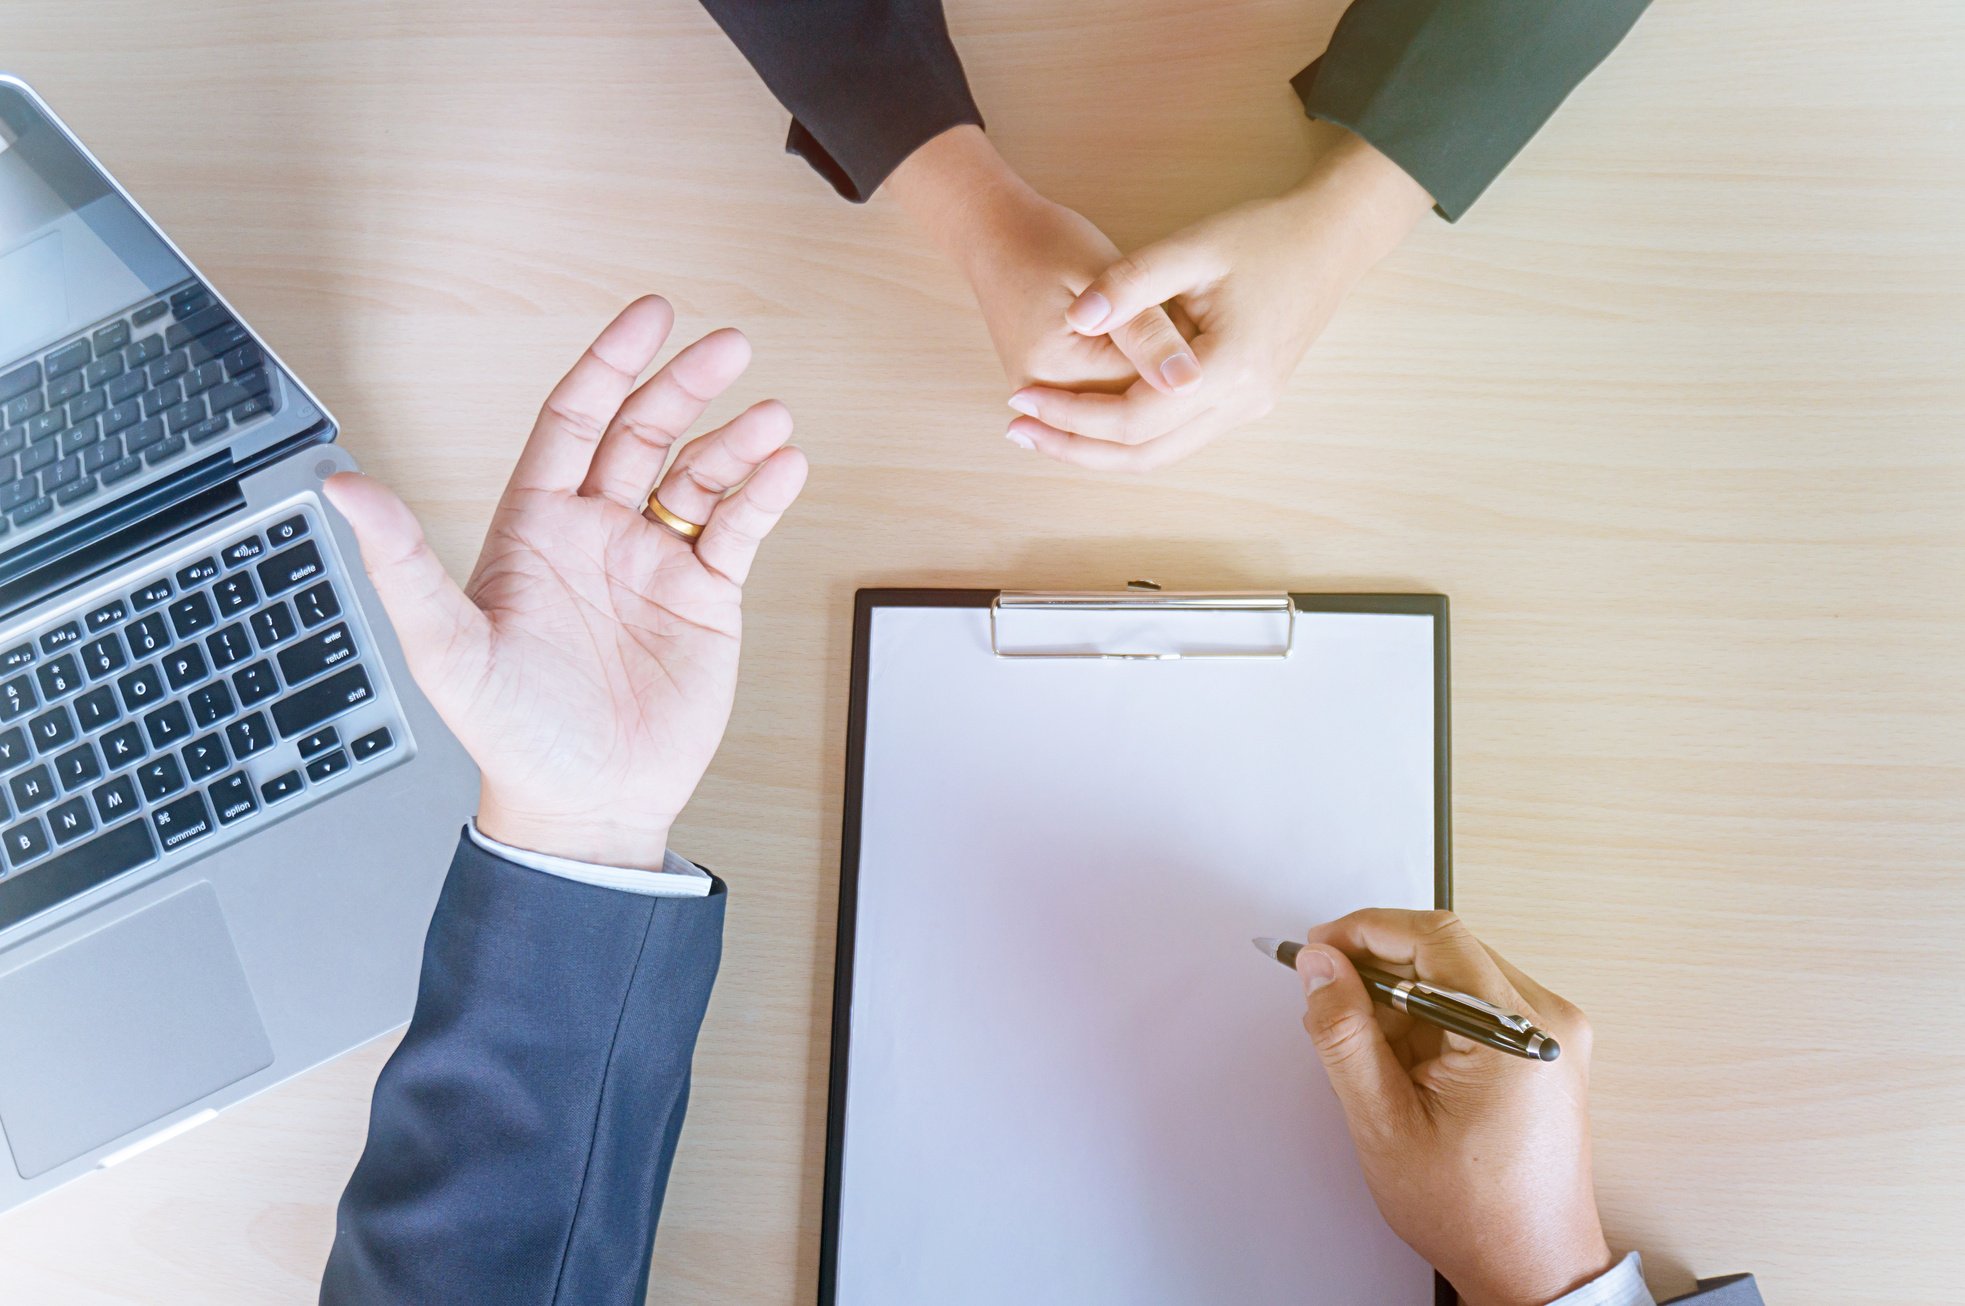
(1127, 277)
(1341, 1036)
(1437, 925)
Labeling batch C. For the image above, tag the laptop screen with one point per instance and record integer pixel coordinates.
(118, 366)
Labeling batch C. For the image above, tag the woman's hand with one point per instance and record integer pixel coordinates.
(1478, 1159)
(1258, 282)
(590, 663)
(1027, 259)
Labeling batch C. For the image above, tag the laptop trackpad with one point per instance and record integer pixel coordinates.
(121, 1027)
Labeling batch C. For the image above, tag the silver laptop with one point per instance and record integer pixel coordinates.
(225, 811)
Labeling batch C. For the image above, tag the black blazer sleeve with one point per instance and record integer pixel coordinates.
(521, 1136)
(868, 82)
(1728, 1290)
(1450, 90)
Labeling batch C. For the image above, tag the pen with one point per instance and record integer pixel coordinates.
(1460, 1013)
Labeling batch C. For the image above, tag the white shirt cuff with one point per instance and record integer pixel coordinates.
(1621, 1285)
(678, 878)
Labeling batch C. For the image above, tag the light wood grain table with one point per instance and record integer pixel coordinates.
(1674, 417)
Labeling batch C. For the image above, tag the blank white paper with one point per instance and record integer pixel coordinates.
(1070, 1077)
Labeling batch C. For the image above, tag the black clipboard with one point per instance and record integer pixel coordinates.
(866, 603)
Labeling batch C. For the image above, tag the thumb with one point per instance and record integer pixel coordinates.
(1124, 302)
(438, 626)
(1377, 1095)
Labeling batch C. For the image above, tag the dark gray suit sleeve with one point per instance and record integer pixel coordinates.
(521, 1136)
(868, 82)
(1728, 1290)
(1451, 90)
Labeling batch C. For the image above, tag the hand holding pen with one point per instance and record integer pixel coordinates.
(1479, 1160)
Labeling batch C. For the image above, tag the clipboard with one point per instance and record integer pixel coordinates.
(976, 1149)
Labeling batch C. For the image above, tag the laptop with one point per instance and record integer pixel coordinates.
(225, 811)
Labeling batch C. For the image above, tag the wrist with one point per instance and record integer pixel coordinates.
(1543, 1283)
(637, 844)
(962, 193)
(1363, 193)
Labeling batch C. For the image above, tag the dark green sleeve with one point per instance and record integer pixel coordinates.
(1450, 90)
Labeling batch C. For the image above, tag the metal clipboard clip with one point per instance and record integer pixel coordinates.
(1142, 596)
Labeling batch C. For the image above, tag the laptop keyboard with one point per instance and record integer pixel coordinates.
(192, 704)
(137, 391)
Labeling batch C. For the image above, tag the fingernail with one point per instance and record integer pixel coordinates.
(1315, 968)
(1019, 439)
(1024, 404)
(1181, 371)
(1088, 311)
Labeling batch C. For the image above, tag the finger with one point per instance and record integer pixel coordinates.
(713, 465)
(656, 416)
(1377, 1095)
(445, 637)
(729, 543)
(1139, 281)
(1103, 455)
(1435, 944)
(1139, 415)
(1157, 349)
(1554, 1012)
(561, 447)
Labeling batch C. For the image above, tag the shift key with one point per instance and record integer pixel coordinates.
(341, 691)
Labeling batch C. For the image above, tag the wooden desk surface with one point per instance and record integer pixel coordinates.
(1673, 416)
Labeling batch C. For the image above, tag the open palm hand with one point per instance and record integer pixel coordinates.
(590, 662)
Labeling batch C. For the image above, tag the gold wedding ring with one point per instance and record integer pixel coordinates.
(675, 525)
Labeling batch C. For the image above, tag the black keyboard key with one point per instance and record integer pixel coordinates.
(295, 566)
(20, 381)
(96, 709)
(317, 653)
(104, 656)
(120, 470)
(185, 666)
(13, 748)
(160, 778)
(185, 415)
(142, 689)
(78, 766)
(255, 684)
(111, 338)
(114, 800)
(246, 356)
(224, 341)
(323, 701)
(373, 743)
(58, 677)
(192, 576)
(229, 645)
(36, 456)
(32, 511)
(234, 594)
(121, 417)
(189, 300)
(15, 658)
(101, 372)
(145, 433)
(211, 704)
(203, 374)
(209, 429)
(43, 426)
(123, 392)
(149, 635)
(149, 313)
(100, 455)
(86, 405)
(249, 735)
(60, 474)
(31, 788)
(151, 595)
(53, 729)
(26, 406)
(244, 551)
(106, 616)
(288, 530)
(157, 453)
(80, 437)
(60, 391)
(68, 358)
(25, 842)
(167, 725)
(181, 822)
(193, 615)
(206, 319)
(320, 741)
(79, 869)
(284, 785)
(14, 493)
(157, 401)
(171, 366)
(273, 624)
(17, 698)
(232, 798)
(144, 351)
(123, 745)
(70, 820)
(322, 767)
(317, 603)
(205, 756)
